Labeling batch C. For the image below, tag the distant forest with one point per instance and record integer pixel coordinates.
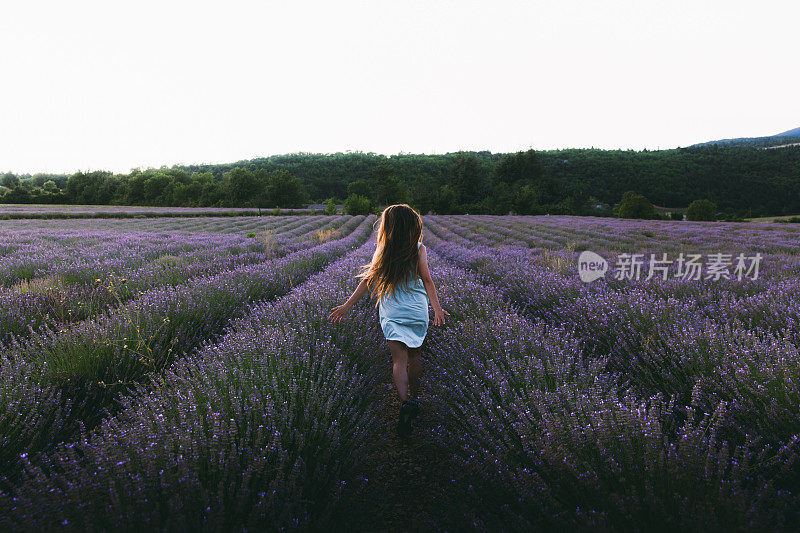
(741, 181)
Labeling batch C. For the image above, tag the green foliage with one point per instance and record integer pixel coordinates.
(676, 215)
(468, 179)
(330, 207)
(701, 210)
(357, 205)
(519, 167)
(446, 201)
(285, 190)
(502, 200)
(742, 182)
(522, 184)
(359, 188)
(157, 189)
(19, 195)
(390, 189)
(90, 188)
(246, 189)
(596, 207)
(10, 180)
(528, 201)
(635, 205)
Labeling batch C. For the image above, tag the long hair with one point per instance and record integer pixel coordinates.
(397, 253)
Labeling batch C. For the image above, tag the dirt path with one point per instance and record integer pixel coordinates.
(413, 484)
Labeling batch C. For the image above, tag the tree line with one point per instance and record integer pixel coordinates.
(738, 181)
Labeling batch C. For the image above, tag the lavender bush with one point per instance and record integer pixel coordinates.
(71, 291)
(92, 362)
(645, 388)
(222, 398)
(261, 430)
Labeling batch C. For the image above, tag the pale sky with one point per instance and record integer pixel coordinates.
(102, 85)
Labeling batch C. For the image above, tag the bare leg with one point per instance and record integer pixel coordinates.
(414, 371)
(399, 353)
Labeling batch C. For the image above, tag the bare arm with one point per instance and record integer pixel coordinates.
(340, 311)
(430, 288)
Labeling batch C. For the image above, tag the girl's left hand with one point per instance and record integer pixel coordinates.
(338, 313)
(438, 317)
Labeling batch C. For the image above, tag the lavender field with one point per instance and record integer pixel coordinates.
(175, 373)
(46, 211)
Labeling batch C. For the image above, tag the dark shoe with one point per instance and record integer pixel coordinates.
(408, 411)
(415, 406)
(415, 409)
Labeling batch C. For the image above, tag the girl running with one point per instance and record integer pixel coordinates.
(399, 278)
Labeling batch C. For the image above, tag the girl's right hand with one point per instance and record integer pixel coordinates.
(338, 313)
(438, 317)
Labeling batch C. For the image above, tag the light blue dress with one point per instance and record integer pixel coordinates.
(404, 315)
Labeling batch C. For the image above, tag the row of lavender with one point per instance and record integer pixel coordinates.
(612, 233)
(27, 254)
(127, 210)
(74, 276)
(44, 208)
(618, 405)
(210, 224)
(632, 413)
(262, 430)
(58, 381)
(546, 284)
